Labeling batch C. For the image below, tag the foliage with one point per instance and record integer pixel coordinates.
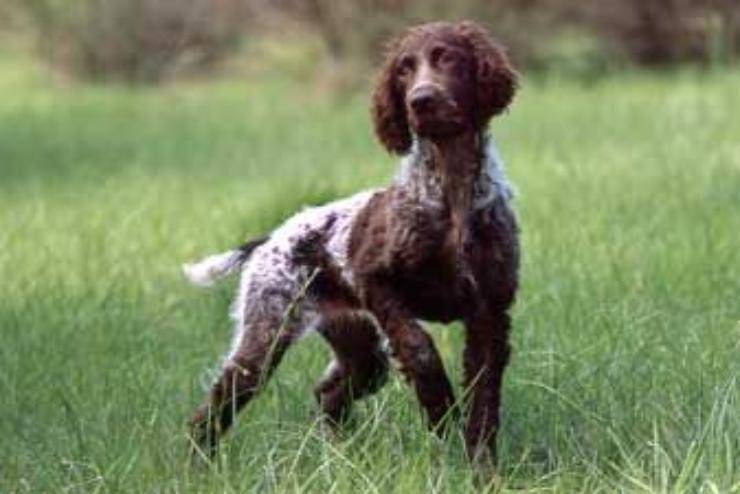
(646, 32)
(659, 32)
(149, 40)
(359, 27)
(134, 40)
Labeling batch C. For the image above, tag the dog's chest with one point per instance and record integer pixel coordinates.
(409, 246)
(433, 275)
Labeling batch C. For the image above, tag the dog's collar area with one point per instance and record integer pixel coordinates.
(421, 182)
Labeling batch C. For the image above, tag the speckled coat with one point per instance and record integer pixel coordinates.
(362, 271)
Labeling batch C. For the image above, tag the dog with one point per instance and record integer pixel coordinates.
(440, 243)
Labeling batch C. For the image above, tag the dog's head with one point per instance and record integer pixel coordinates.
(440, 80)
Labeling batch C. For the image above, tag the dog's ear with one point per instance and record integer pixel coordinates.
(495, 78)
(388, 109)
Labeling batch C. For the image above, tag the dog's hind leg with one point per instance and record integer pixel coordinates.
(360, 365)
(256, 353)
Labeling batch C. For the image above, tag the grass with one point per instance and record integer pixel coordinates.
(627, 329)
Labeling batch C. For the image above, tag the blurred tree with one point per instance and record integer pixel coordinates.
(647, 32)
(358, 27)
(134, 40)
(659, 32)
(148, 40)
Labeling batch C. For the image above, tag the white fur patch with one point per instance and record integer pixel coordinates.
(271, 282)
(206, 271)
(426, 187)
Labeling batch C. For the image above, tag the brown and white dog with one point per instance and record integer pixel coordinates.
(438, 244)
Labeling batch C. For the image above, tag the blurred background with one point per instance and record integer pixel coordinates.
(149, 41)
(136, 135)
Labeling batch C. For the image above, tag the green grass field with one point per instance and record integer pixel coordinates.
(627, 328)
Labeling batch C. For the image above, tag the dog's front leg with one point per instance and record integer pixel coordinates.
(485, 358)
(419, 360)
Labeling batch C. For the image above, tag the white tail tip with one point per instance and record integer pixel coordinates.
(211, 269)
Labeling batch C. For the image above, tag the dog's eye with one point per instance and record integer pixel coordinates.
(449, 58)
(406, 65)
(438, 54)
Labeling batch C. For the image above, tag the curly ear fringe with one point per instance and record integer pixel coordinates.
(495, 85)
(388, 111)
(496, 79)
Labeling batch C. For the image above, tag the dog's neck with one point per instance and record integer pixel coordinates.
(469, 164)
(455, 177)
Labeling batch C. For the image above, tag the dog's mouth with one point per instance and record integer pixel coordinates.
(440, 121)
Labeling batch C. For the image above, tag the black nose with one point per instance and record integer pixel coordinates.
(423, 99)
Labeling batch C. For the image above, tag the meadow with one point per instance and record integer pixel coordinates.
(626, 335)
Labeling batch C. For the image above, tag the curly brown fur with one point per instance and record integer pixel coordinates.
(493, 85)
(439, 244)
(452, 262)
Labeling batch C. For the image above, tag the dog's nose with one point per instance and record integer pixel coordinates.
(423, 99)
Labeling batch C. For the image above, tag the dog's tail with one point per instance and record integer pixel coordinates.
(213, 268)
